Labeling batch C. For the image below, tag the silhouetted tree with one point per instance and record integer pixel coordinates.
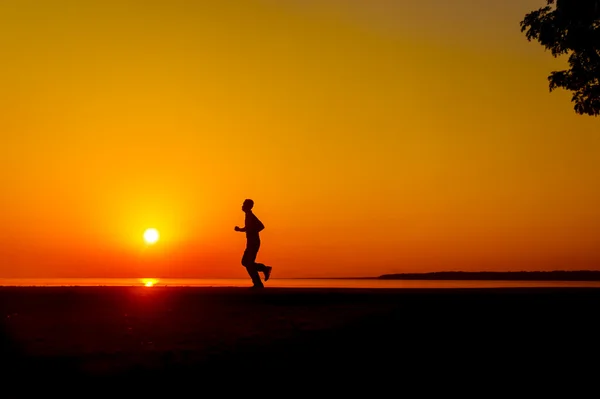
(571, 27)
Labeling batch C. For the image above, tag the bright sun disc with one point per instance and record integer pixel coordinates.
(151, 236)
(149, 282)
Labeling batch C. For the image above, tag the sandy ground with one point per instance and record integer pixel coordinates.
(232, 340)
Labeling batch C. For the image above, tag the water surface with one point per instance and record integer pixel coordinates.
(294, 283)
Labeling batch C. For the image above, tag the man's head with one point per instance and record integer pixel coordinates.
(247, 205)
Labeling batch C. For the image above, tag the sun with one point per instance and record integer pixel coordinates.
(151, 236)
(149, 282)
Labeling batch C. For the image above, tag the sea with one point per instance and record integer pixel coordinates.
(370, 283)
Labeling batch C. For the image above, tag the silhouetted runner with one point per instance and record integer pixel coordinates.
(252, 228)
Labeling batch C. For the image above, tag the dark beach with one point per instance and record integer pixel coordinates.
(148, 339)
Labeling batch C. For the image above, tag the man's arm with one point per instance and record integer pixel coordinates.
(257, 225)
(253, 225)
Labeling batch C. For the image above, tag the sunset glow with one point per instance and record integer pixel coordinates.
(374, 137)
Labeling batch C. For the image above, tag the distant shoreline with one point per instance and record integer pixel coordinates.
(559, 275)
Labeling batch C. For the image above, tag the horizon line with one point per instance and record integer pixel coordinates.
(318, 278)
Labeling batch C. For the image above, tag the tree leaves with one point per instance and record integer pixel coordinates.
(571, 27)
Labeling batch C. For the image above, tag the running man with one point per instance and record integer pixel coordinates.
(252, 228)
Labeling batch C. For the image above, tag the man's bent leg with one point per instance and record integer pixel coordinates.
(261, 267)
(248, 262)
(254, 276)
(265, 269)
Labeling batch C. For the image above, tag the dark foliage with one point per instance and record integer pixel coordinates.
(571, 27)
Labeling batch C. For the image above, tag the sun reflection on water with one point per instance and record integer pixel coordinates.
(149, 282)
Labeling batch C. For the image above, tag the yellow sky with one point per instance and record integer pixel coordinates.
(375, 137)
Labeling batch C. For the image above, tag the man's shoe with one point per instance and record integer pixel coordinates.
(268, 272)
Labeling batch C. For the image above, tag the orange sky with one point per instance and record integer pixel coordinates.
(374, 136)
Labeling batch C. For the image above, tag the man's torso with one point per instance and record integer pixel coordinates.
(252, 234)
